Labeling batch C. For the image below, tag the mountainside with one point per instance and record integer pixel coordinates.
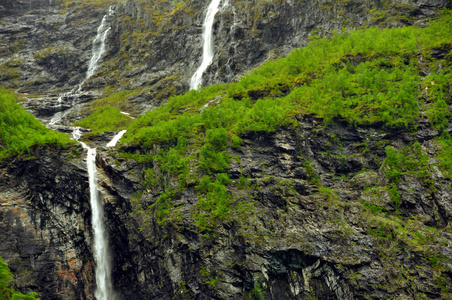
(324, 174)
(154, 47)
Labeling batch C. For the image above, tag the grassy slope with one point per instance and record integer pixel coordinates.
(20, 130)
(364, 77)
(323, 79)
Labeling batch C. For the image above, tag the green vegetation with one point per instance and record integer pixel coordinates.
(6, 292)
(409, 161)
(364, 77)
(257, 293)
(106, 118)
(20, 130)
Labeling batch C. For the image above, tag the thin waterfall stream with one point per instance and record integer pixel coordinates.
(208, 49)
(104, 289)
(102, 257)
(98, 49)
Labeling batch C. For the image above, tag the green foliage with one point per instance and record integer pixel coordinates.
(312, 176)
(213, 155)
(373, 208)
(6, 292)
(395, 196)
(363, 77)
(257, 293)
(408, 160)
(20, 130)
(163, 204)
(217, 199)
(106, 118)
(445, 154)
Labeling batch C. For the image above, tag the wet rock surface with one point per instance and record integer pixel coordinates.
(45, 225)
(155, 47)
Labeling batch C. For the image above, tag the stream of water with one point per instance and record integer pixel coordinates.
(98, 49)
(208, 49)
(104, 290)
(104, 287)
(102, 258)
(98, 45)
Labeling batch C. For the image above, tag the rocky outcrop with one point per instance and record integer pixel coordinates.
(308, 223)
(245, 34)
(45, 224)
(45, 50)
(317, 217)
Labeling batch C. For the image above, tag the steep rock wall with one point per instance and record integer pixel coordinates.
(245, 33)
(308, 227)
(45, 225)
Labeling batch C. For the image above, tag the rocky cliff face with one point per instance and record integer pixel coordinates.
(45, 225)
(304, 230)
(155, 46)
(309, 228)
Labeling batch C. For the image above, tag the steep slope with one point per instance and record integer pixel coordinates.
(43, 206)
(155, 47)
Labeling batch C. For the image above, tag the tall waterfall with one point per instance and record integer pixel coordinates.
(98, 50)
(102, 258)
(208, 49)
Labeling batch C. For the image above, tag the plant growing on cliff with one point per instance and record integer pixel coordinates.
(258, 292)
(6, 292)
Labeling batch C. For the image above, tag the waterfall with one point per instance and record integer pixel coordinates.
(98, 45)
(104, 290)
(115, 140)
(98, 49)
(208, 50)
(102, 258)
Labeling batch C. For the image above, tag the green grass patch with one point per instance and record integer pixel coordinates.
(20, 130)
(105, 118)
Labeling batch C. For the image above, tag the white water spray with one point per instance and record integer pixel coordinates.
(208, 49)
(98, 45)
(116, 139)
(102, 258)
(98, 50)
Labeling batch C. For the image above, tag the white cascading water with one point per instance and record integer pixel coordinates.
(104, 290)
(116, 139)
(102, 258)
(98, 50)
(98, 45)
(104, 287)
(208, 49)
